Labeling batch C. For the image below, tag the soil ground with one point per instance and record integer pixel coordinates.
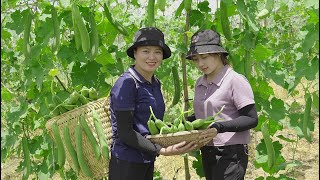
(172, 167)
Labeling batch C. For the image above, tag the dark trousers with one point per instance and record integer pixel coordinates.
(124, 170)
(225, 162)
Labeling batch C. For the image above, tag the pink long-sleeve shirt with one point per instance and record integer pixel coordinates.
(229, 89)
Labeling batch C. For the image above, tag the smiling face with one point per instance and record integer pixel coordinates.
(148, 59)
(209, 64)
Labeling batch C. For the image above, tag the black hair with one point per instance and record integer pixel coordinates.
(223, 57)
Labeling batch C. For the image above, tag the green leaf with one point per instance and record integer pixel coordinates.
(157, 175)
(310, 40)
(37, 144)
(248, 40)
(17, 23)
(241, 7)
(252, 24)
(294, 107)
(291, 164)
(261, 88)
(38, 73)
(295, 122)
(5, 34)
(277, 72)
(277, 111)
(237, 63)
(261, 159)
(196, 18)
(5, 95)
(135, 3)
(262, 53)
(17, 111)
(42, 175)
(104, 57)
(110, 31)
(313, 17)
(197, 164)
(303, 69)
(66, 52)
(44, 31)
(204, 6)
(92, 78)
(6, 4)
(179, 9)
(8, 140)
(32, 92)
(243, 12)
(313, 69)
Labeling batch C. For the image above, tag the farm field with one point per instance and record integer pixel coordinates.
(307, 153)
(173, 166)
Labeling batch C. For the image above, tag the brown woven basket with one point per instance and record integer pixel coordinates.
(166, 140)
(99, 168)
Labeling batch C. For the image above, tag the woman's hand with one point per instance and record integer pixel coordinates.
(207, 136)
(179, 148)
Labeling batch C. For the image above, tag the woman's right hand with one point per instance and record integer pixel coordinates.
(206, 136)
(179, 148)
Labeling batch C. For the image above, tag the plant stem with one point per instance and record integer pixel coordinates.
(186, 167)
(6, 88)
(60, 82)
(185, 87)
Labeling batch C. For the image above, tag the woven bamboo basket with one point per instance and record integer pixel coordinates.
(166, 140)
(99, 168)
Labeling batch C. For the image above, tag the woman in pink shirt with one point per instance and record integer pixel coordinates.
(226, 156)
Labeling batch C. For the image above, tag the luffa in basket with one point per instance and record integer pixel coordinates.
(99, 168)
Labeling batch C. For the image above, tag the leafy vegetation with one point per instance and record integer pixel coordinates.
(282, 46)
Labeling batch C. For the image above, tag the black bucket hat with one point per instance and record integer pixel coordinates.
(203, 42)
(149, 37)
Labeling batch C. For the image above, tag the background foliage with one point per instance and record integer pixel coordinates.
(282, 47)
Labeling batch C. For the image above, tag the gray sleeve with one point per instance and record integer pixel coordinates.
(248, 119)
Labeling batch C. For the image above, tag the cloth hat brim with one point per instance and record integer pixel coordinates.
(205, 49)
(165, 48)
